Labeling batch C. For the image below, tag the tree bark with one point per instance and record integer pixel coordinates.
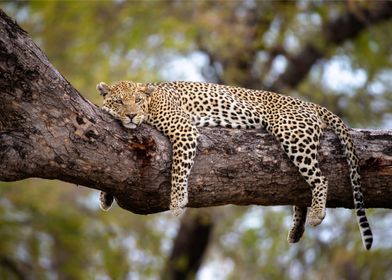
(48, 130)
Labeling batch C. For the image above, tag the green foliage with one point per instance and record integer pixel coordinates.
(54, 230)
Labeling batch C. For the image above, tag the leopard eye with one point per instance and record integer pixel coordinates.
(119, 100)
(137, 99)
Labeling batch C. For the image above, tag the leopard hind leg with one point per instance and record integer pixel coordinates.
(298, 227)
(319, 187)
(302, 151)
(310, 171)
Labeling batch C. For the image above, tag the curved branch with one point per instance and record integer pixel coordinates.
(347, 26)
(48, 130)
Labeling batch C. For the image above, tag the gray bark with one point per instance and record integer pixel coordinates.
(48, 130)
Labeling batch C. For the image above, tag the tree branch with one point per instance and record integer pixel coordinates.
(21, 270)
(346, 26)
(48, 130)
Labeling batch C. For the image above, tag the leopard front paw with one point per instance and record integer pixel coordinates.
(316, 216)
(178, 207)
(105, 201)
(176, 211)
(138, 119)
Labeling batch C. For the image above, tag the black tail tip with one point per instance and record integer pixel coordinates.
(368, 243)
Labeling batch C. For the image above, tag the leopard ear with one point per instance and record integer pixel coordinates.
(103, 89)
(148, 89)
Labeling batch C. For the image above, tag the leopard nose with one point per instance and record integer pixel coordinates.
(131, 116)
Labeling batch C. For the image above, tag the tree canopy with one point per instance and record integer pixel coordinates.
(335, 54)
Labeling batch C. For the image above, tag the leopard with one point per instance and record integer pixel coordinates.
(179, 108)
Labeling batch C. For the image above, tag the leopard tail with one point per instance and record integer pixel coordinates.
(341, 131)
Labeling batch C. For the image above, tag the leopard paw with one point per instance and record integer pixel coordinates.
(316, 216)
(138, 119)
(176, 211)
(178, 206)
(183, 201)
(105, 201)
(295, 234)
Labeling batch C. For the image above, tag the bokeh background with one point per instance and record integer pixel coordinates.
(331, 53)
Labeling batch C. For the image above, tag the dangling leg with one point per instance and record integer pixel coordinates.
(105, 201)
(301, 145)
(319, 200)
(183, 136)
(181, 168)
(298, 227)
(310, 171)
(308, 167)
(304, 156)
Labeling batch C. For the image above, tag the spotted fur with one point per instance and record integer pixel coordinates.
(178, 108)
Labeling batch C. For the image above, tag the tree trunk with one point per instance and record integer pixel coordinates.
(189, 245)
(48, 130)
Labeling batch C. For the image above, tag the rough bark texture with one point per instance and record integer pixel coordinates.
(48, 130)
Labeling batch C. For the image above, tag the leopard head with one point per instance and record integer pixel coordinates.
(124, 100)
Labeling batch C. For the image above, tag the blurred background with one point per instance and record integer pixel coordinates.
(337, 54)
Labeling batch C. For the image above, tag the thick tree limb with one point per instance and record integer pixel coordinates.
(48, 130)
